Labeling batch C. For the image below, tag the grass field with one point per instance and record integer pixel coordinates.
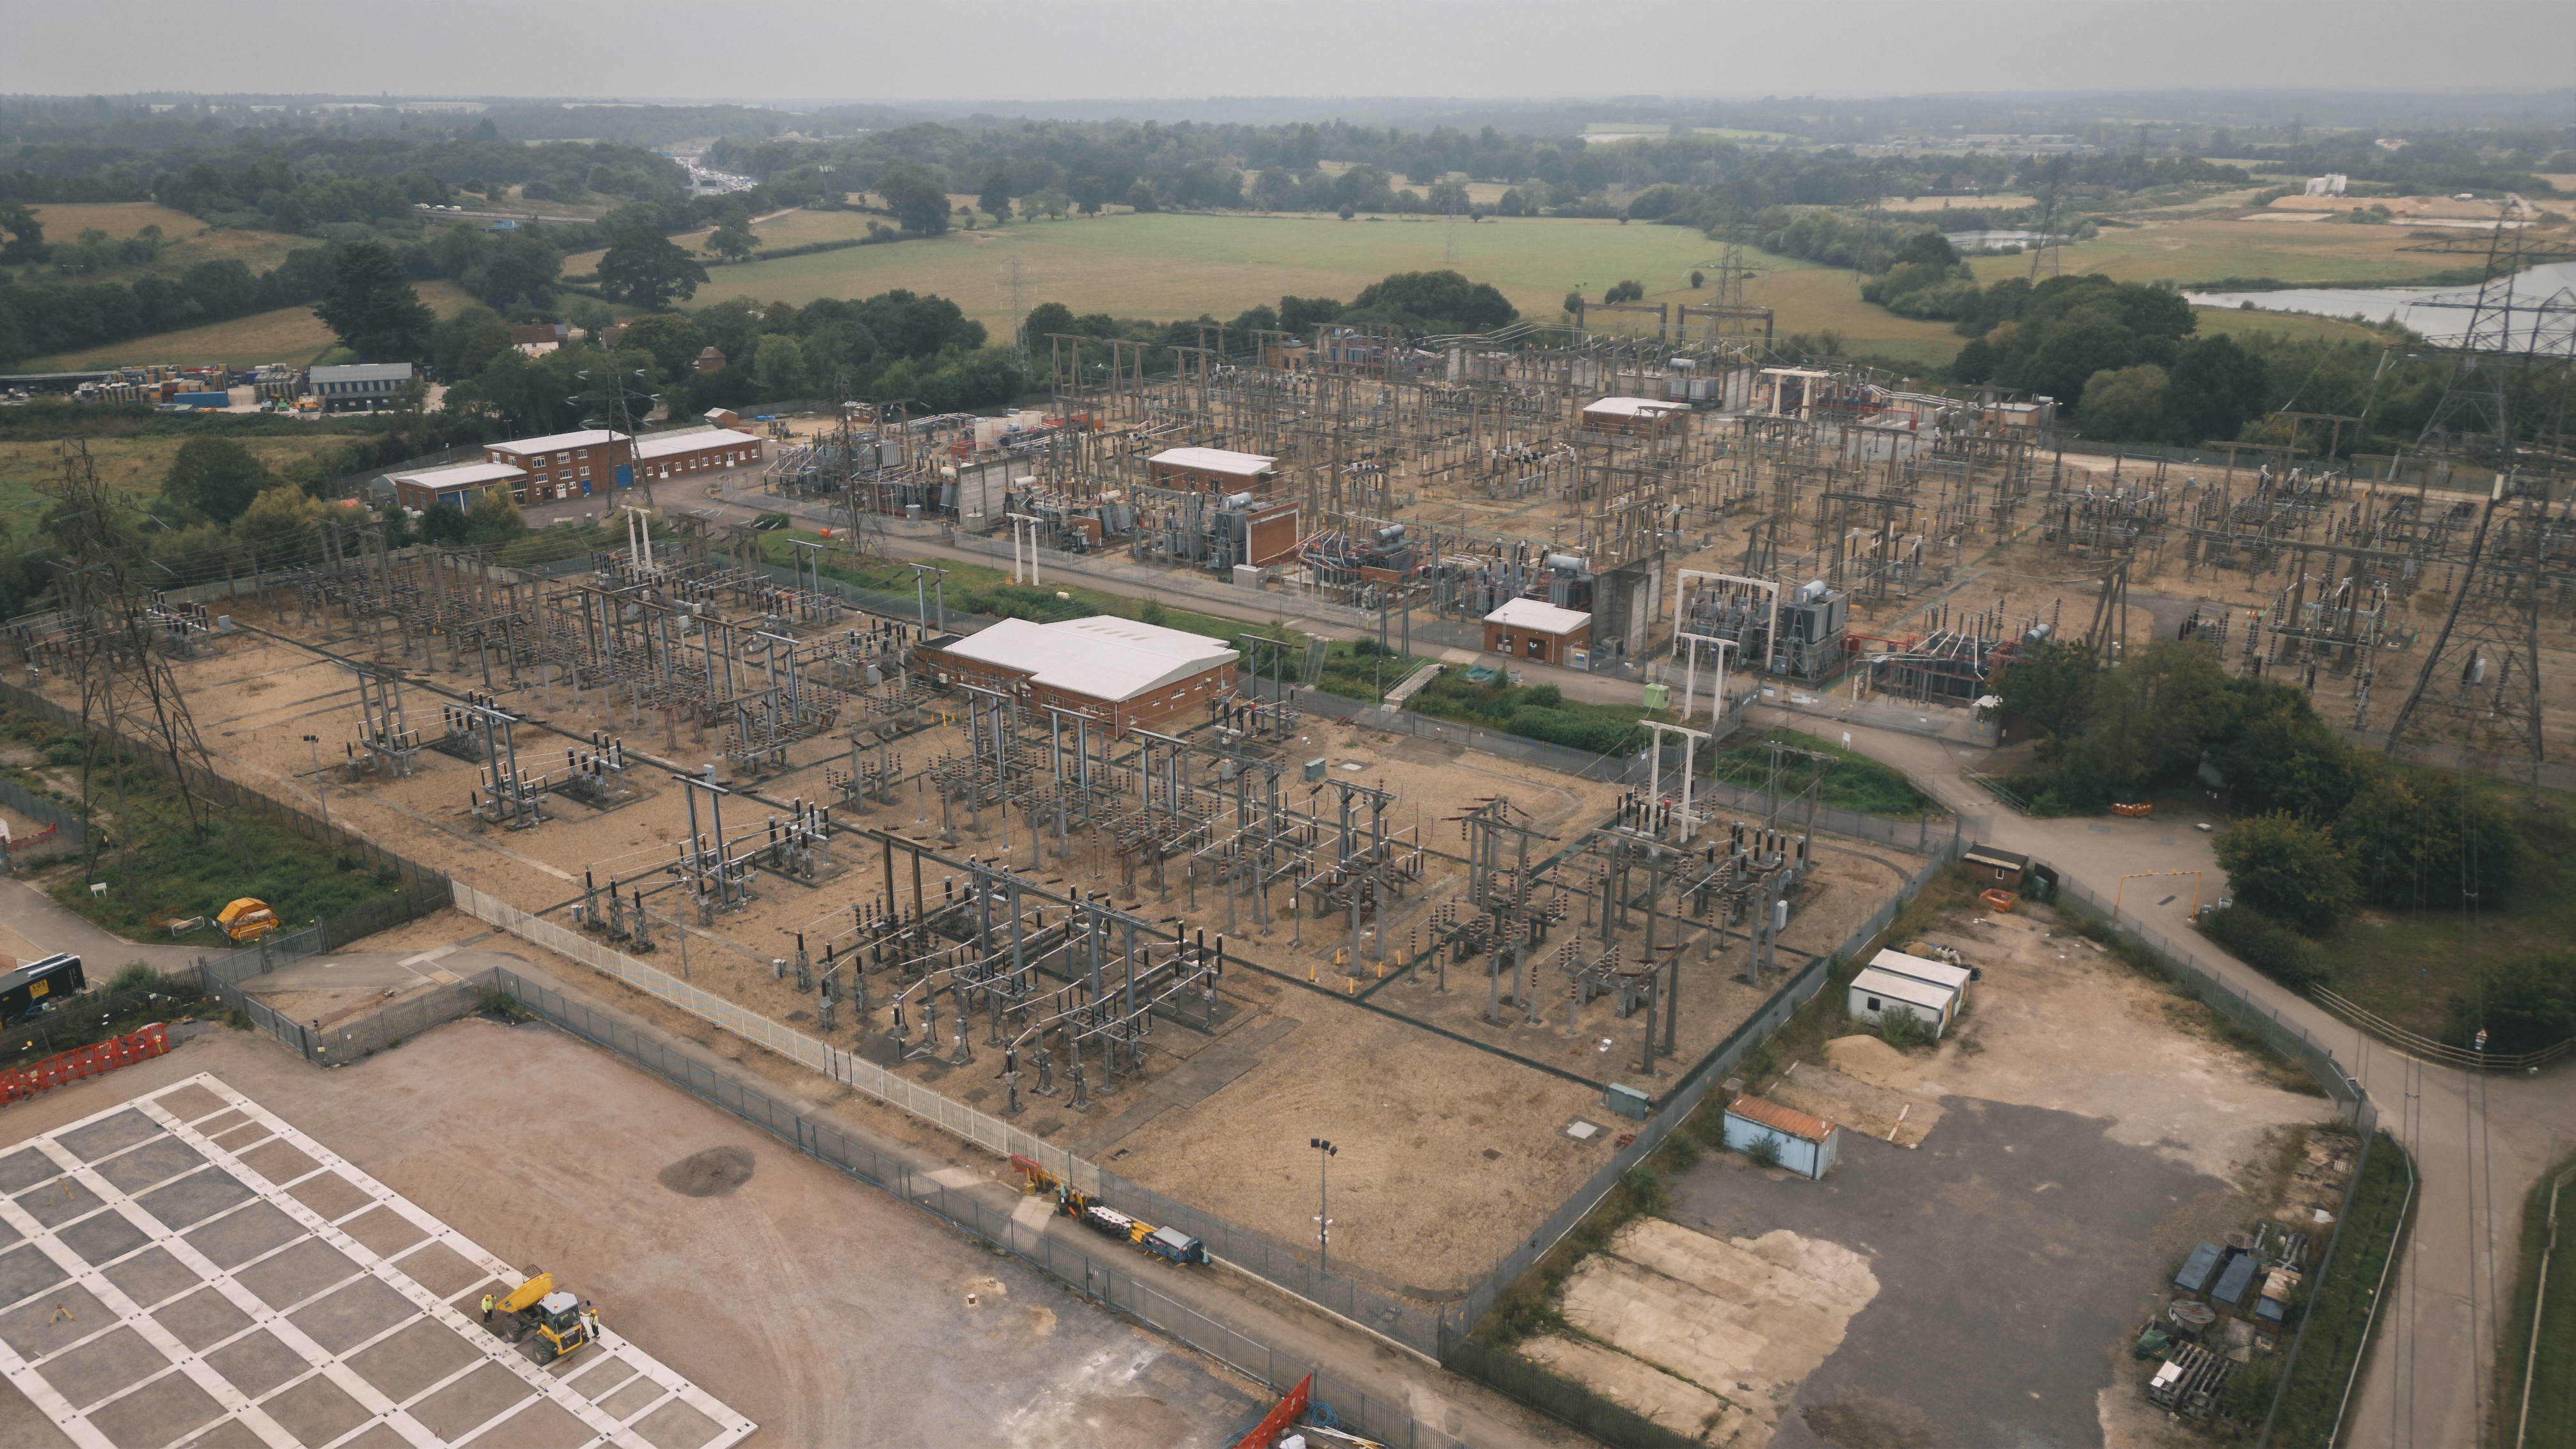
(2552, 1422)
(185, 241)
(2207, 249)
(134, 465)
(1165, 266)
(289, 334)
(2405, 965)
(1854, 782)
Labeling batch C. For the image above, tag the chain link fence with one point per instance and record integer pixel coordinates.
(66, 820)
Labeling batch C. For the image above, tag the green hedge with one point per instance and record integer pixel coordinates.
(2269, 947)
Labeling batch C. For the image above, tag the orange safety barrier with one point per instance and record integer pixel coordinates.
(1999, 900)
(88, 1061)
(1283, 1416)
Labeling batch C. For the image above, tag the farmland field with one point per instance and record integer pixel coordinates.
(289, 334)
(2207, 249)
(185, 241)
(134, 465)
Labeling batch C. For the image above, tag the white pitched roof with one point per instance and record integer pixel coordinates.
(464, 475)
(662, 445)
(556, 442)
(1538, 617)
(1631, 407)
(1938, 973)
(1214, 460)
(1104, 657)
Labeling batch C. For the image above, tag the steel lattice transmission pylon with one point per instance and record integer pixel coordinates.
(2505, 404)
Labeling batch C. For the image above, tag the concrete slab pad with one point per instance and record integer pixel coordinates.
(236, 1238)
(191, 1104)
(156, 1161)
(230, 1434)
(406, 1364)
(157, 1413)
(331, 1195)
(159, 1321)
(53, 1321)
(384, 1231)
(353, 1315)
(193, 1199)
(25, 1168)
(541, 1425)
(295, 1273)
(203, 1318)
(152, 1276)
(25, 1270)
(279, 1162)
(458, 1409)
(222, 1125)
(257, 1362)
(117, 1359)
(676, 1426)
(109, 1135)
(102, 1238)
(315, 1411)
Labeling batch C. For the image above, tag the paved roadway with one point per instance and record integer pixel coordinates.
(2479, 1143)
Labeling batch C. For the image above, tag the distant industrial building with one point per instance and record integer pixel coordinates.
(1119, 672)
(360, 386)
(461, 486)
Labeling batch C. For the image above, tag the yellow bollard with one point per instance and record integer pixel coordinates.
(1350, 986)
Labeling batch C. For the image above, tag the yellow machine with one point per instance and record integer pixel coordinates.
(247, 919)
(548, 1324)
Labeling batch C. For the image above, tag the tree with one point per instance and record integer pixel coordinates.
(1347, 212)
(1975, 363)
(780, 365)
(673, 340)
(733, 241)
(277, 513)
(1301, 314)
(1140, 197)
(216, 477)
(2216, 386)
(2289, 870)
(1439, 301)
(1090, 193)
(644, 268)
(2051, 686)
(372, 307)
(917, 200)
(1697, 278)
(2525, 1003)
(1625, 292)
(494, 518)
(2128, 404)
(1926, 248)
(997, 193)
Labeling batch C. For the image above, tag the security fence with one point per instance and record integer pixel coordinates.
(1124, 1286)
(348, 1040)
(66, 820)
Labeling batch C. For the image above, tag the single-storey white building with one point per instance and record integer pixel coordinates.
(1537, 629)
(1807, 1145)
(1932, 973)
(1875, 992)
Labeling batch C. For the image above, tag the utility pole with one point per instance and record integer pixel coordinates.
(1324, 1201)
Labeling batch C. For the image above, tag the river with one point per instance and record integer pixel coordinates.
(2439, 313)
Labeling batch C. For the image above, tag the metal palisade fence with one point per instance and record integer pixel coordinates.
(1126, 1285)
(1241, 1247)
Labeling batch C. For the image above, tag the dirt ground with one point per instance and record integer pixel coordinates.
(1451, 1152)
(824, 1310)
(2075, 1132)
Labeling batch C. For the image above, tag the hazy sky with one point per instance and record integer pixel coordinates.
(666, 49)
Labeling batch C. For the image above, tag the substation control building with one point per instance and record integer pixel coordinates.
(1212, 470)
(1533, 629)
(1120, 672)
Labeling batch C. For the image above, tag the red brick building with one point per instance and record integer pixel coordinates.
(1119, 671)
